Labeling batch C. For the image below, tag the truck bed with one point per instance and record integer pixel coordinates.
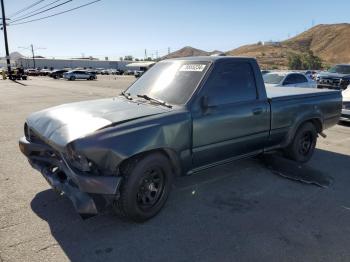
(291, 105)
(282, 93)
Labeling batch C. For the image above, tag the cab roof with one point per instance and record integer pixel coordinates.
(211, 58)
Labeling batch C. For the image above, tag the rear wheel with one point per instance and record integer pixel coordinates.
(303, 144)
(145, 188)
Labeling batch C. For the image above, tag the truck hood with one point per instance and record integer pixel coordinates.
(336, 75)
(62, 124)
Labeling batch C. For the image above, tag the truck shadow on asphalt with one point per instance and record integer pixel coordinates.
(299, 172)
(231, 209)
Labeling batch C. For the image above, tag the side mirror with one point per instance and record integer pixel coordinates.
(206, 103)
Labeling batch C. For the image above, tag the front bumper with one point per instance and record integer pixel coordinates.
(88, 193)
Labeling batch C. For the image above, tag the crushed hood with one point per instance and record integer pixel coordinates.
(65, 123)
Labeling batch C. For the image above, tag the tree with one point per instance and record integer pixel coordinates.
(310, 61)
(294, 61)
(128, 58)
(304, 61)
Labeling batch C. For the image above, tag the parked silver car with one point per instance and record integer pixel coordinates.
(288, 79)
(79, 74)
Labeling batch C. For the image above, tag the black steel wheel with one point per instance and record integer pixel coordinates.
(145, 188)
(303, 145)
(151, 188)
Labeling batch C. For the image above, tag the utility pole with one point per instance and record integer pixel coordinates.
(168, 50)
(32, 50)
(33, 55)
(5, 38)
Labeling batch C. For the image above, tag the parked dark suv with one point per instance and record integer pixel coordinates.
(57, 73)
(337, 77)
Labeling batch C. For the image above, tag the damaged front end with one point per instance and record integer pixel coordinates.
(71, 174)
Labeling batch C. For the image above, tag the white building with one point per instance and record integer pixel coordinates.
(140, 66)
(71, 63)
(272, 43)
(3, 62)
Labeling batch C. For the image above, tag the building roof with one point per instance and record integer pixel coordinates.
(140, 64)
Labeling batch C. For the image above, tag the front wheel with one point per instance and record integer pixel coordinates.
(72, 78)
(145, 189)
(303, 144)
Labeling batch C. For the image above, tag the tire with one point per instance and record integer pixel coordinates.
(303, 144)
(91, 78)
(72, 78)
(145, 188)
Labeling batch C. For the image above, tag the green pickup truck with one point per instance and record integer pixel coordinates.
(182, 116)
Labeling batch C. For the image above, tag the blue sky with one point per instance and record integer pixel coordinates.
(116, 28)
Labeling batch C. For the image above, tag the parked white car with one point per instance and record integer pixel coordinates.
(288, 79)
(345, 113)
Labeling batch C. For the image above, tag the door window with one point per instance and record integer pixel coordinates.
(290, 79)
(300, 78)
(231, 83)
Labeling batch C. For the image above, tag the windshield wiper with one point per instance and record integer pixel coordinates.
(127, 95)
(158, 101)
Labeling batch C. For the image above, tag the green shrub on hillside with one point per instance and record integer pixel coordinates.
(304, 61)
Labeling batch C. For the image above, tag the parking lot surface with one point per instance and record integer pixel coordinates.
(242, 211)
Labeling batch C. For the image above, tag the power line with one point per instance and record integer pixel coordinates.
(38, 9)
(69, 10)
(26, 8)
(42, 11)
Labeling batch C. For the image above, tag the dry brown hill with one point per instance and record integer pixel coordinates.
(330, 42)
(186, 51)
(189, 51)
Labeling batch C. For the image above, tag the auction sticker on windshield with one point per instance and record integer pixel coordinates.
(192, 67)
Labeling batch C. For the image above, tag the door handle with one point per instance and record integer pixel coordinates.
(257, 111)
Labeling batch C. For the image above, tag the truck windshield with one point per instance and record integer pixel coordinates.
(272, 78)
(340, 69)
(170, 81)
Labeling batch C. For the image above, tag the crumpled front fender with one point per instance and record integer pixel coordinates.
(110, 146)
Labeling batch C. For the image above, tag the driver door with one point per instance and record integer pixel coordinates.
(235, 121)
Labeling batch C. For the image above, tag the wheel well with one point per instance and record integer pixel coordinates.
(170, 154)
(317, 123)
